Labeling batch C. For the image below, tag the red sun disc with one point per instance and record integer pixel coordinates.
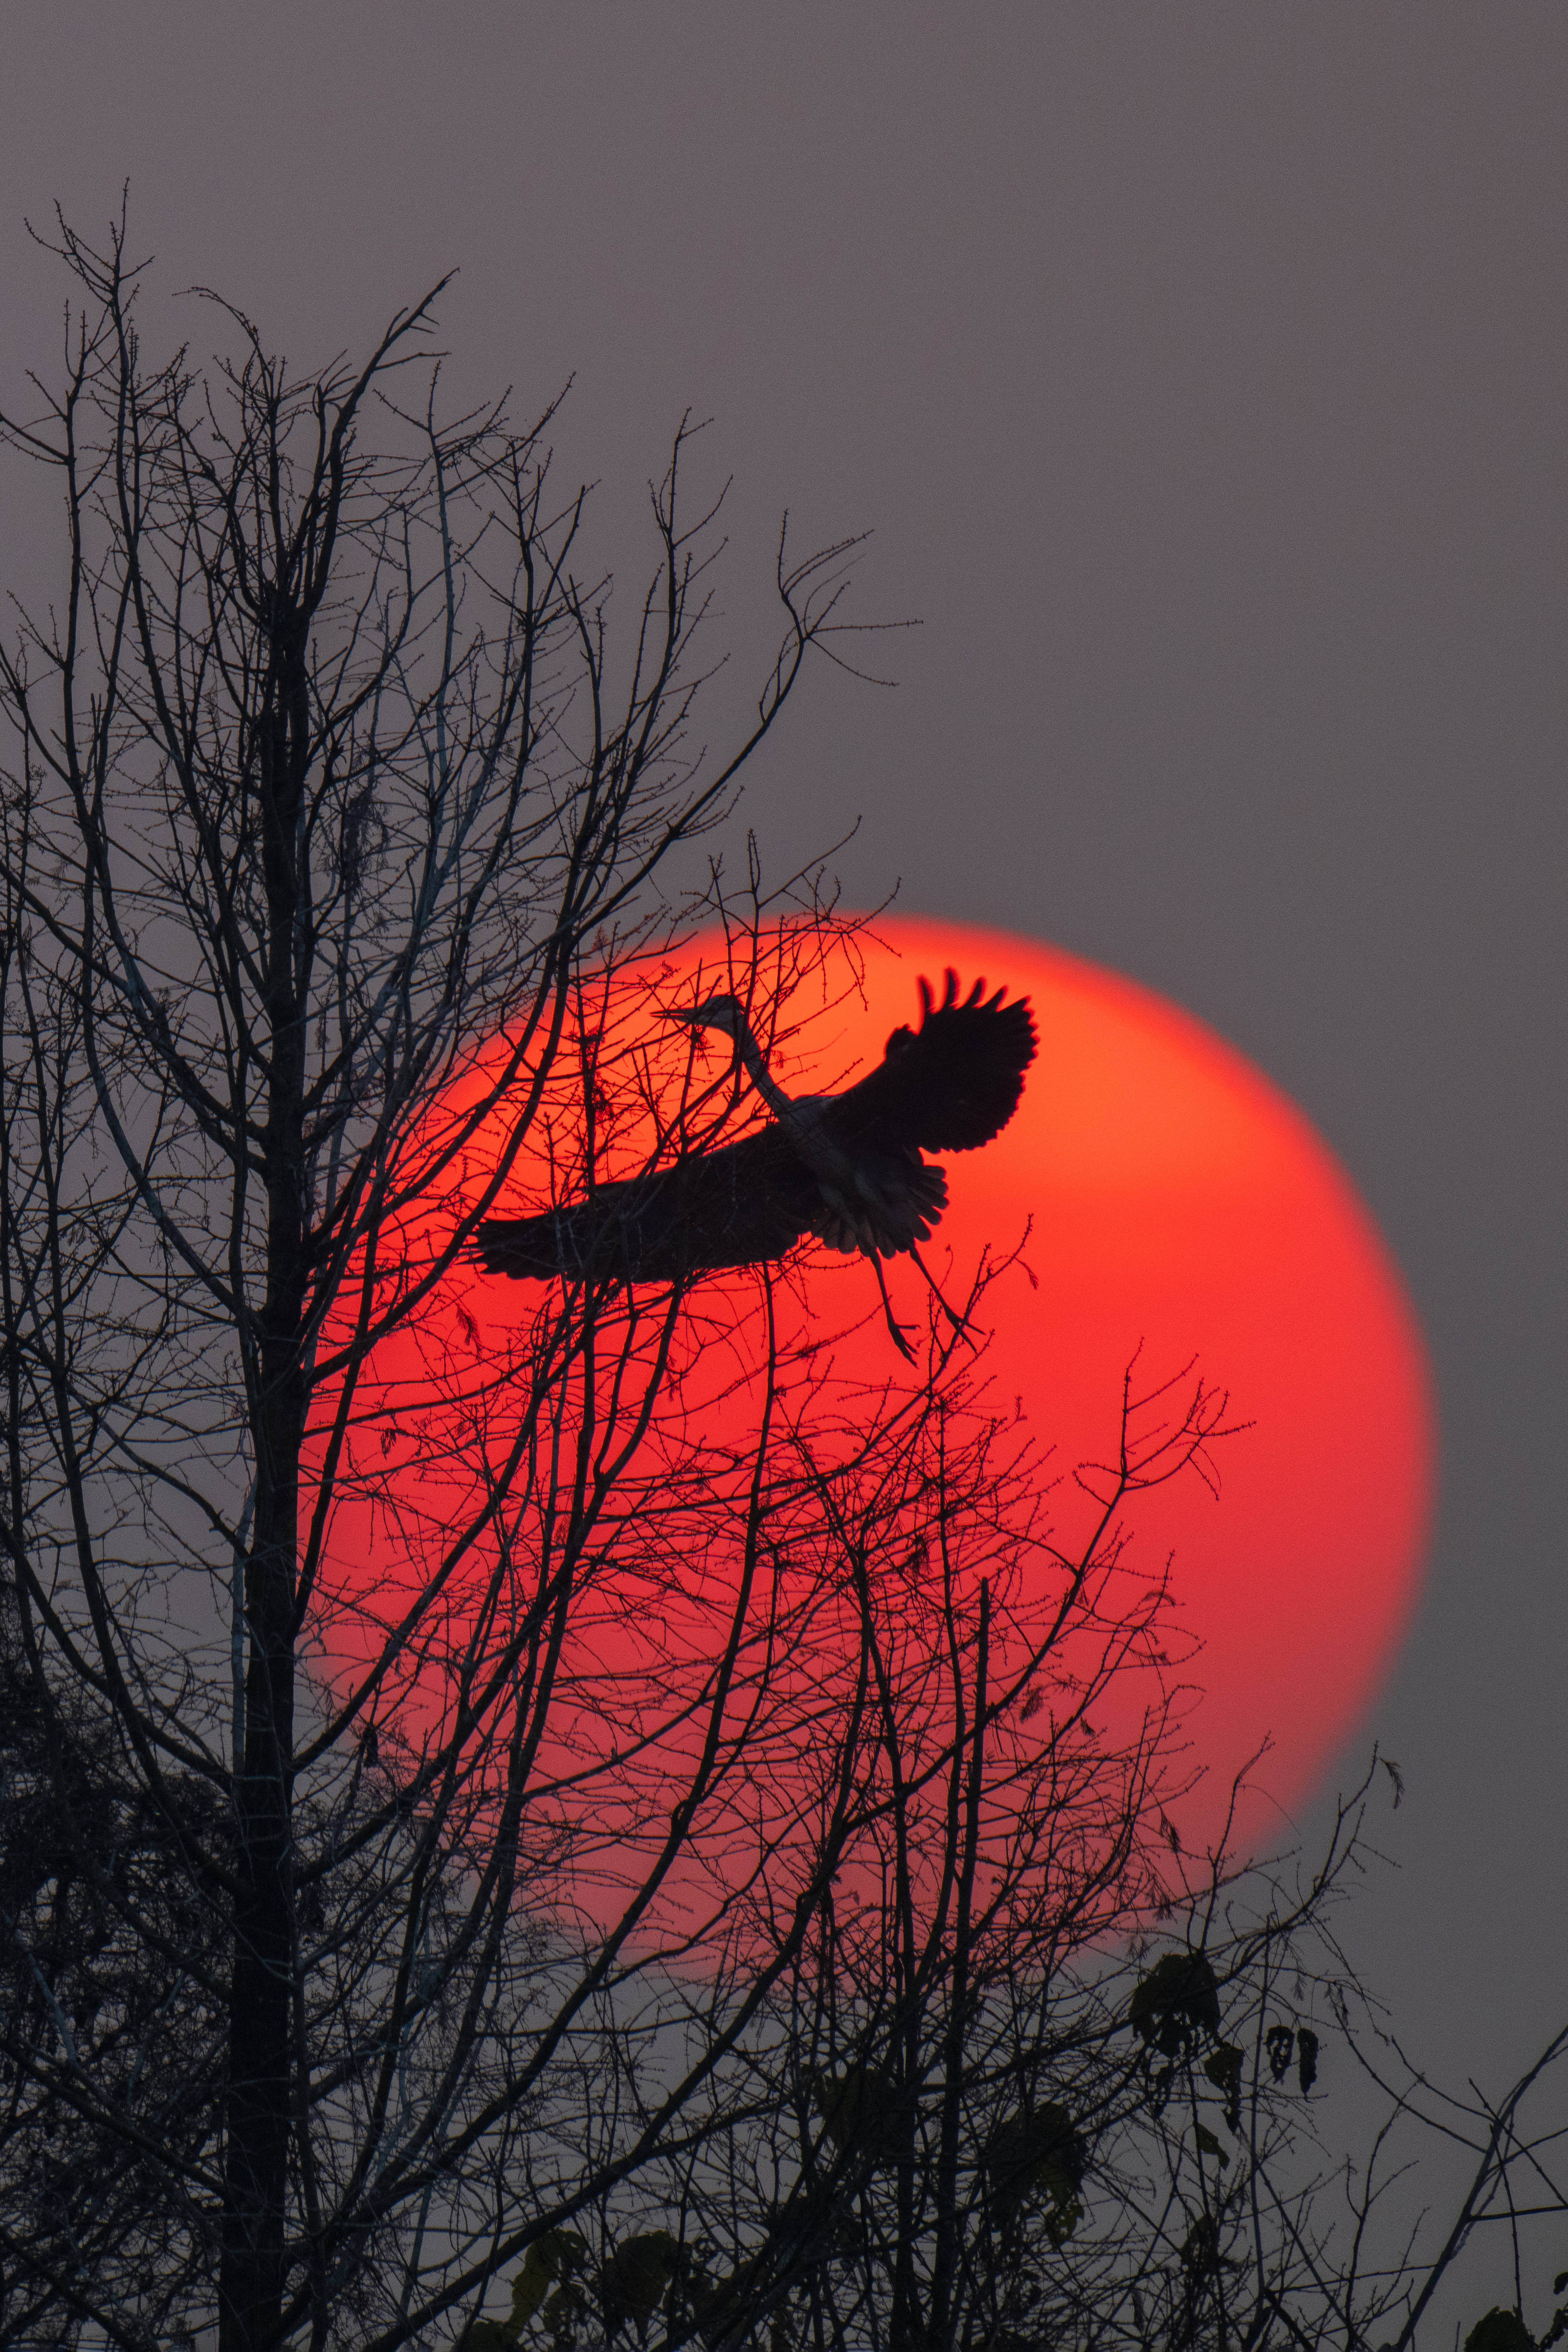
(1167, 1206)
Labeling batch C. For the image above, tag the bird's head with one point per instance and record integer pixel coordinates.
(725, 1012)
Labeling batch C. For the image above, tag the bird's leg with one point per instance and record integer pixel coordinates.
(894, 1326)
(959, 1322)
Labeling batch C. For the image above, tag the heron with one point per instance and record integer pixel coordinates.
(845, 1169)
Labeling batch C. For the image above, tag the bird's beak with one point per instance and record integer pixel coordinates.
(694, 1026)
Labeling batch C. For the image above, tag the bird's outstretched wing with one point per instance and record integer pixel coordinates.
(949, 1086)
(740, 1206)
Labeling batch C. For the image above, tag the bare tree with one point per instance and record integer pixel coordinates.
(318, 785)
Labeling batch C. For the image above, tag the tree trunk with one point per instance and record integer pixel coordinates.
(256, 2152)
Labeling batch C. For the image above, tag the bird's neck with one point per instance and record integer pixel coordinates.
(771, 1093)
(801, 1121)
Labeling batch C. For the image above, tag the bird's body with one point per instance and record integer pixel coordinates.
(846, 1169)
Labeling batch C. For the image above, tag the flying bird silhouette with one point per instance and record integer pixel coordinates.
(844, 1168)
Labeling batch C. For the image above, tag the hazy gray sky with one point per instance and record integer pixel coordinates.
(1200, 368)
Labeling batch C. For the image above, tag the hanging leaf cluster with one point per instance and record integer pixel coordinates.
(1502, 2330)
(1174, 2010)
(1038, 2153)
(1284, 2042)
(547, 2284)
(1176, 2004)
(1223, 2069)
(636, 2277)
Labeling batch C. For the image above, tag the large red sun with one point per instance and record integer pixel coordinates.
(1167, 1205)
